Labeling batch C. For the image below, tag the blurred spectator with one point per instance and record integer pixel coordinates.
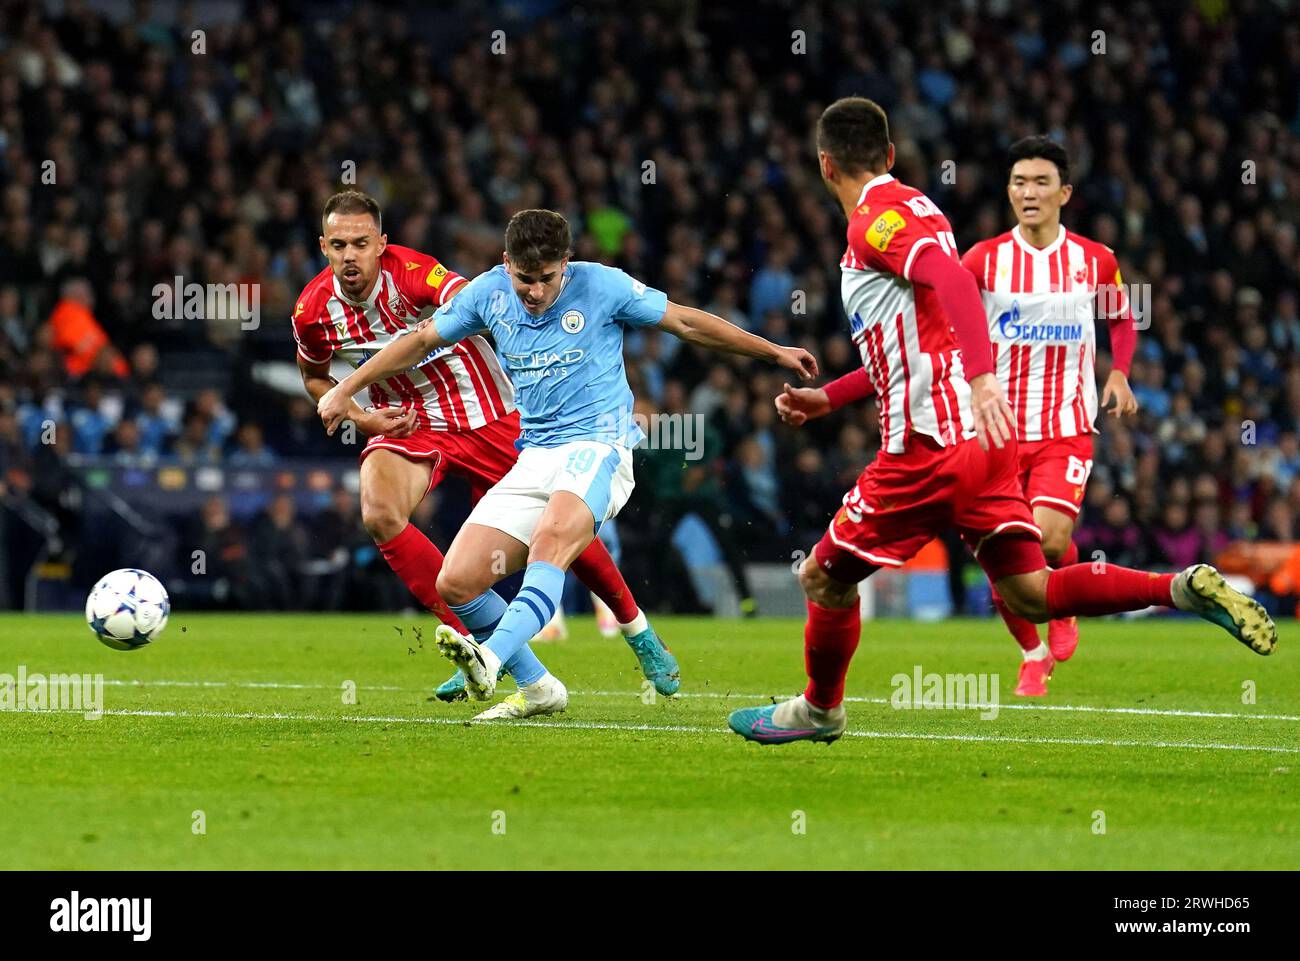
(1115, 536)
(278, 545)
(78, 336)
(194, 445)
(1177, 544)
(250, 449)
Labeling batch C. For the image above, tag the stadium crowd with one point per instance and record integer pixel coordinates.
(136, 151)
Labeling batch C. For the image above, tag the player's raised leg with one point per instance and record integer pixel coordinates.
(392, 486)
(1093, 590)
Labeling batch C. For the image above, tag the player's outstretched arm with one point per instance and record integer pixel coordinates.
(401, 354)
(798, 405)
(389, 421)
(709, 330)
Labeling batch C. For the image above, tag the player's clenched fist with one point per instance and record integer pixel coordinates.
(990, 411)
(795, 405)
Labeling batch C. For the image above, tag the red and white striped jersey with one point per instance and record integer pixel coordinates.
(1042, 307)
(907, 344)
(460, 387)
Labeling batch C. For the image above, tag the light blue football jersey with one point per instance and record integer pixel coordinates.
(567, 364)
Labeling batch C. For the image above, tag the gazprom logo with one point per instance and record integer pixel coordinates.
(1009, 321)
(1010, 327)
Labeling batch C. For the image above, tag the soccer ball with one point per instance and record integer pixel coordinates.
(127, 609)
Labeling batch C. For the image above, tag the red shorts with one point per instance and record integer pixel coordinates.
(903, 501)
(1054, 473)
(482, 456)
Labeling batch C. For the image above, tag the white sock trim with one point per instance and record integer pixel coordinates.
(636, 625)
(1040, 653)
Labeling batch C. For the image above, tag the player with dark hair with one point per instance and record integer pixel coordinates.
(558, 325)
(449, 411)
(948, 454)
(1044, 289)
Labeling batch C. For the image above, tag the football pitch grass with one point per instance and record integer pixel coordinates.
(1147, 754)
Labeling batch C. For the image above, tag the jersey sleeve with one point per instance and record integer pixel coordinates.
(1113, 306)
(467, 312)
(890, 238)
(309, 334)
(976, 261)
(634, 303)
(423, 279)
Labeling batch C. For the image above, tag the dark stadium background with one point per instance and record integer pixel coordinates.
(193, 435)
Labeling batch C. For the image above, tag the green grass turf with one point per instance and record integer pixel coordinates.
(290, 777)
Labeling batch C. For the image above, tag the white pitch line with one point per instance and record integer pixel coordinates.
(1069, 708)
(1158, 712)
(682, 729)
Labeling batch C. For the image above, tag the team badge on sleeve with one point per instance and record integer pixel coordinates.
(883, 228)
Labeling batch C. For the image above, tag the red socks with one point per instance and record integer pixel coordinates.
(1025, 632)
(1071, 556)
(1084, 592)
(417, 562)
(596, 569)
(829, 639)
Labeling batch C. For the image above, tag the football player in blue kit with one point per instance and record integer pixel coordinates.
(558, 326)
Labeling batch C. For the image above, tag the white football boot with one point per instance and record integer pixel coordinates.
(545, 696)
(1202, 590)
(477, 661)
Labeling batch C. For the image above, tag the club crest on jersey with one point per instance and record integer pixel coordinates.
(573, 321)
(882, 230)
(1080, 272)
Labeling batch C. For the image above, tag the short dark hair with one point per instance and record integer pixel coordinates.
(855, 132)
(1036, 147)
(353, 202)
(536, 237)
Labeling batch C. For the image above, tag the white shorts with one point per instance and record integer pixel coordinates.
(601, 474)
